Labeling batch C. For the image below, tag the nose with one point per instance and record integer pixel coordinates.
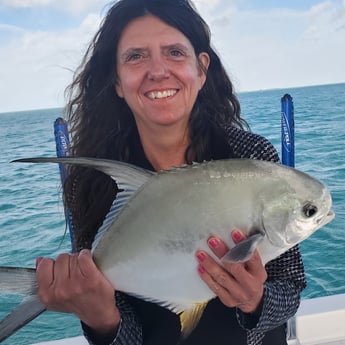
(158, 69)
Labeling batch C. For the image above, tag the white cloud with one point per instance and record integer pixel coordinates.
(280, 47)
(25, 3)
(79, 6)
(326, 19)
(73, 6)
(10, 28)
(261, 49)
(36, 66)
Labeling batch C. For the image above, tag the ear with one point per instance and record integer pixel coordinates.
(118, 89)
(204, 62)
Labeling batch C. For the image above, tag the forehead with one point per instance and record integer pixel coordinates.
(143, 31)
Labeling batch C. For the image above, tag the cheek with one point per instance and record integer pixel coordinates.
(127, 86)
(192, 79)
(201, 78)
(198, 79)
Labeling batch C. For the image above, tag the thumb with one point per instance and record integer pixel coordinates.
(85, 252)
(86, 264)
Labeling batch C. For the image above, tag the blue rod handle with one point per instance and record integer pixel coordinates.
(62, 150)
(288, 130)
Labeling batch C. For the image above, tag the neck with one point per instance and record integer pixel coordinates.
(165, 148)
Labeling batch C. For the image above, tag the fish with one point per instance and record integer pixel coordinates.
(146, 246)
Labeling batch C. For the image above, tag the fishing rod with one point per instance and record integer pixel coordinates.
(62, 150)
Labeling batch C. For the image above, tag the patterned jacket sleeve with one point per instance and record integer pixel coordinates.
(129, 332)
(286, 278)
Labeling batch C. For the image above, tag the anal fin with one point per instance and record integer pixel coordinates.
(190, 318)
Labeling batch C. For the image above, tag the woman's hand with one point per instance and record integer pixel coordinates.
(73, 284)
(238, 285)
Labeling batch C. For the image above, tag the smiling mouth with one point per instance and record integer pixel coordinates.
(161, 94)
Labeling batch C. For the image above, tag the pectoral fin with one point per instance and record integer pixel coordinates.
(190, 318)
(244, 250)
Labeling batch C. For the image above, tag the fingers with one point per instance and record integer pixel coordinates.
(219, 280)
(223, 294)
(237, 236)
(66, 266)
(236, 284)
(73, 284)
(45, 272)
(218, 247)
(62, 279)
(53, 276)
(254, 264)
(86, 264)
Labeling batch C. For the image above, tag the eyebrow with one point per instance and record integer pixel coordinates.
(176, 46)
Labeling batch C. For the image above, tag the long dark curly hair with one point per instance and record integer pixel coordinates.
(101, 123)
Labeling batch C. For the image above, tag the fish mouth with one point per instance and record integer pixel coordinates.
(328, 218)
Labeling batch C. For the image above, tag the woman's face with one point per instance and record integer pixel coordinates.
(159, 75)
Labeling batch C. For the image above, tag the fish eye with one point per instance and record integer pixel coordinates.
(309, 210)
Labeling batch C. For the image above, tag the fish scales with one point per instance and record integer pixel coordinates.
(149, 249)
(147, 244)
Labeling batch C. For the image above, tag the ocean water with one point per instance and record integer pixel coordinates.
(31, 213)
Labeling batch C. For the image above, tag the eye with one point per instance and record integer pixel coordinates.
(309, 210)
(133, 57)
(176, 52)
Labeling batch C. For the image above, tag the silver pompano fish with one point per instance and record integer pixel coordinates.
(147, 243)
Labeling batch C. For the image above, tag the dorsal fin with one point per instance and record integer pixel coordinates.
(129, 178)
(126, 175)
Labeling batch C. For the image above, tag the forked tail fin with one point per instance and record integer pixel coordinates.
(14, 280)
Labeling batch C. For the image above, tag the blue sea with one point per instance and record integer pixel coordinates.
(31, 212)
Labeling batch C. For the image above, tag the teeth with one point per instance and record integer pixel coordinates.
(161, 94)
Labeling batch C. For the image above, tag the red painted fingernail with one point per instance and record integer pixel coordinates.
(237, 235)
(201, 270)
(213, 242)
(201, 256)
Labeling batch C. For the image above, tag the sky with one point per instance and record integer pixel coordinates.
(264, 44)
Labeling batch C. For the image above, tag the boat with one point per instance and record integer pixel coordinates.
(318, 321)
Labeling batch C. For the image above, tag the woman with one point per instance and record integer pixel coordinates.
(151, 91)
